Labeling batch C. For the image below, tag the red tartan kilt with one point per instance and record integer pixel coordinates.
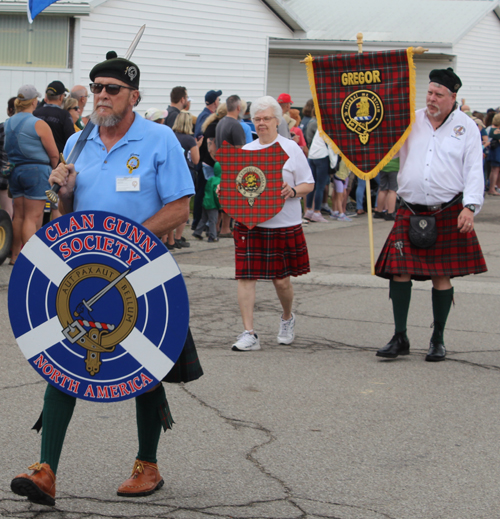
(263, 253)
(454, 254)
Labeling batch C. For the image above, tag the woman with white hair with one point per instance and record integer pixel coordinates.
(275, 249)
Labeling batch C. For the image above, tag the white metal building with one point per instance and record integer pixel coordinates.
(247, 47)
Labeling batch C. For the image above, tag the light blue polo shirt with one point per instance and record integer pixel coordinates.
(148, 156)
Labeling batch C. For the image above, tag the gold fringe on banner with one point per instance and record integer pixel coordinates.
(352, 167)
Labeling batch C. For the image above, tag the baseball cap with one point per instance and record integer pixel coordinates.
(56, 88)
(153, 114)
(284, 98)
(28, 92)
(211, 96)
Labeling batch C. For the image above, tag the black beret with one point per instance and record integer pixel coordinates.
(447, 78)
(117, 68)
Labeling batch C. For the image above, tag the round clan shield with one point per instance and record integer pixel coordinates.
(98, 306)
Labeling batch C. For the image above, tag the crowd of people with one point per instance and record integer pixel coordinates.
(60, 114)
(338, 194)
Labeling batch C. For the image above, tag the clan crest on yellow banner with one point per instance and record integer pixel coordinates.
(365, 105)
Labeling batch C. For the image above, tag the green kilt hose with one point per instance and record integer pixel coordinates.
(454, 253)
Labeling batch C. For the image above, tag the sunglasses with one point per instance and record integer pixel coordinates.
(112, 90)
(75, 108)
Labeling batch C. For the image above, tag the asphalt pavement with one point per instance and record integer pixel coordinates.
(319, 429)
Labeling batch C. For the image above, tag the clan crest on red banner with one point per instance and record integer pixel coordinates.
(251, 183)
(365, 105)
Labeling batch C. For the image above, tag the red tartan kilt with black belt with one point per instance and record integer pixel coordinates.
(454, 253)
(263, 253)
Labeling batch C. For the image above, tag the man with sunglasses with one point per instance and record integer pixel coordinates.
(123, 146)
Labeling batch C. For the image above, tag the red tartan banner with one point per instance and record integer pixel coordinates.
(365, 105)
(251, 182)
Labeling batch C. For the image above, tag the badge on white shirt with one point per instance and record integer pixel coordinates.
(128, 183)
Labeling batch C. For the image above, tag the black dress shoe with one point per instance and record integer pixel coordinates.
(436, 352)
(398, 345)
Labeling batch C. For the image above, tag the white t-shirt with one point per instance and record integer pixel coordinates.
(296, 171)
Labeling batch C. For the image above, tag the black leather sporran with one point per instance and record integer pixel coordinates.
(423, 231)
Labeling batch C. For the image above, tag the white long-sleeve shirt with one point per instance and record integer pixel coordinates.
(436, 165)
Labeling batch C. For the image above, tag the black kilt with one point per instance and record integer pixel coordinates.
(188, 367)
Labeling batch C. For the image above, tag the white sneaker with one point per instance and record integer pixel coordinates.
(308, 214)
(246, 342)
(286, 334)
(343, 218)
(317, 217)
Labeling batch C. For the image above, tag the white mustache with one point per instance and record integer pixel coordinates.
(106, 105)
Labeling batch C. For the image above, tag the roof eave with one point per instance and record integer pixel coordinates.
(494, 5)
(80, 9)
(285, 14)
(351, 45)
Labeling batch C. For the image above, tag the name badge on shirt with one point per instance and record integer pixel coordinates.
(128, 184)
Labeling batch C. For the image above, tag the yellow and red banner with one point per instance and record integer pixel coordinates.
(365, 105)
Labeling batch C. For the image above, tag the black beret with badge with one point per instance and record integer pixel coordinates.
(447, 78)
(117, 68)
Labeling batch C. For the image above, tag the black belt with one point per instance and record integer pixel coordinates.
(418, 208)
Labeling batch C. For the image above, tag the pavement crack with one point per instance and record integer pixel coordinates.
(344, 505)
(491, 367)
(38, 382)
(251, 454)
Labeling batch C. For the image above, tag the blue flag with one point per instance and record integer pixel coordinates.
(36, 7)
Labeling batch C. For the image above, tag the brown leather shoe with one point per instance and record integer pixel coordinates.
(145, 480)
(39, 487)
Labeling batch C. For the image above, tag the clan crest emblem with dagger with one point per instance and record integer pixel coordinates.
(81, 327)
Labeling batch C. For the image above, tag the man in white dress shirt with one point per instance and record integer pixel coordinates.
(441, 175)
